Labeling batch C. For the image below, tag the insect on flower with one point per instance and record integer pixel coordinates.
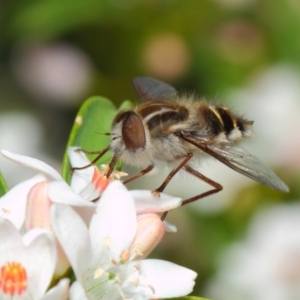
(180, 130)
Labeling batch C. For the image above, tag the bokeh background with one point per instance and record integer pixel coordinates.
(244, 242)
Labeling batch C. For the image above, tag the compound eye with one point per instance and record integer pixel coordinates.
(133, 132)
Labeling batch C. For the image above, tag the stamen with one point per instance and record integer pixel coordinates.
(115, 174)
(125, 256)
(105, 168)
(137, 252)
(107, 241)
(138, 268)
(113, 276)
(122, 294)
(151, 288)
(118, 278)
(5, 211)
(13, 279)
(114, 262)
(94, 279)
(98, 273)
(134, 281)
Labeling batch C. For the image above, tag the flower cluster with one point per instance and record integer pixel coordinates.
(48, 226)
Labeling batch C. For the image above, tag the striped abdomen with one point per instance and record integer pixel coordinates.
(220, 120)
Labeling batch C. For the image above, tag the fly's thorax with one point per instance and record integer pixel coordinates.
(160, 116)
(162, 119)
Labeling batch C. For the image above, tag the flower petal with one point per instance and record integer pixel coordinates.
(31, 234)
(145, 201)
(38, 258)
(170, 227)
(82, 178)
(59, 292)
(167, 279)
(60, 192)
(13, 203)
(73, 236)
(32, 163)
(77, 292)
(40, 263)
(115, 219)
(11, 244)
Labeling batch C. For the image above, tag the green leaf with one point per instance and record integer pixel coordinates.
(93, 120)
(3, 186)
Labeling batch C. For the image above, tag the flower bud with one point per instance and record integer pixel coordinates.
(38, 207)
(150, 231)
(38, 216)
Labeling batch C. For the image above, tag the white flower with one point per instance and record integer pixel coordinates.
(14, 202)
(89, 183)
(80, 194)
(31, 200)
(100, 256)
(27, 264)
(266, 266)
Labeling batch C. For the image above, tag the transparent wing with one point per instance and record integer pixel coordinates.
(240, 160)
(152, 89)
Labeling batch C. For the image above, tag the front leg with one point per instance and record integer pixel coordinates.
(93, 162)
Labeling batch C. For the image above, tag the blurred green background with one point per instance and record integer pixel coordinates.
(243, 53)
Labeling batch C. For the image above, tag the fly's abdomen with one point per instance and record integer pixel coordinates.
(221, 122)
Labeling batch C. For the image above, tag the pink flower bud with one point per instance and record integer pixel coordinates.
(38, 207)
(150, 231)
(38, 216)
